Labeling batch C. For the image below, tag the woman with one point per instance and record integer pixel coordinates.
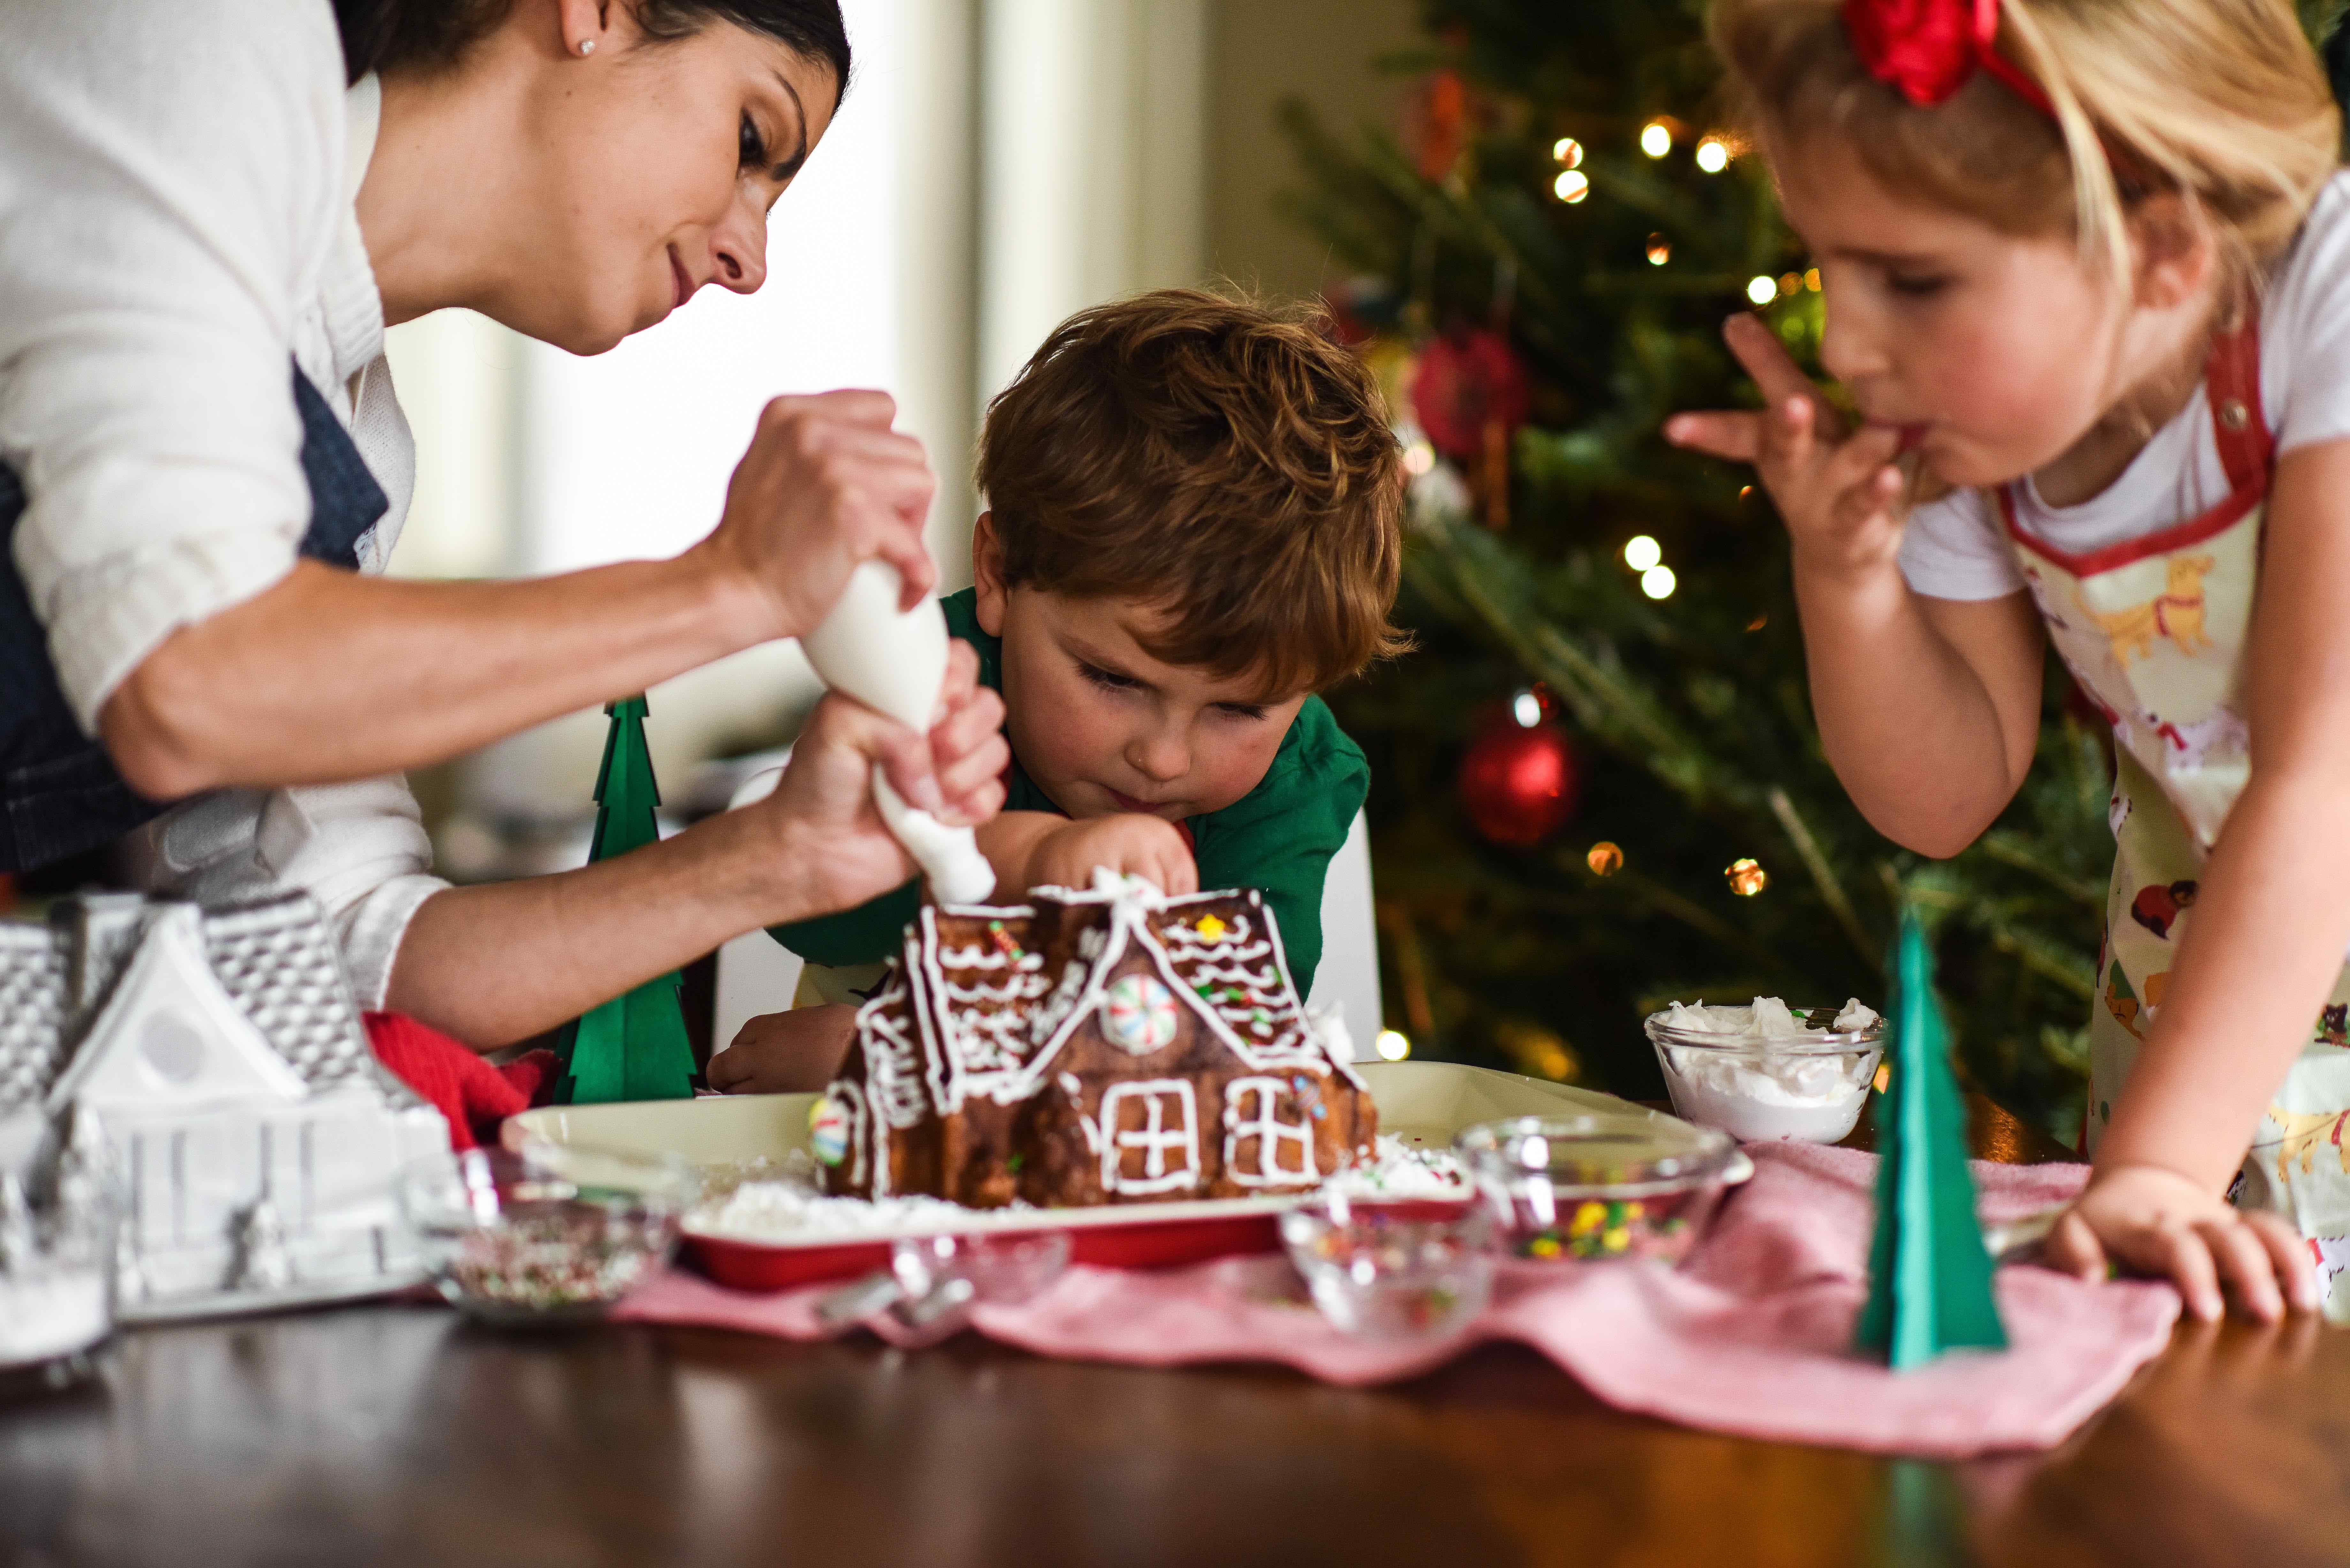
(206, 202)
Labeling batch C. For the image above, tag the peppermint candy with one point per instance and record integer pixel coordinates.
(1138, 1015)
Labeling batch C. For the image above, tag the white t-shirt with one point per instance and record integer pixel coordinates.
(177, 231)
(1955, 548)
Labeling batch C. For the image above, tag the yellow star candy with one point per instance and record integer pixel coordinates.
(1210, 929)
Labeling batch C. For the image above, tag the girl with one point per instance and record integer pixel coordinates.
(2087, 265)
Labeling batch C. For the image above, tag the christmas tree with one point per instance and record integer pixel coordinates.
(634, 1046)
(1599, 785)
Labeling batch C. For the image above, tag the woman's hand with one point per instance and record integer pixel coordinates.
(1129, 844)
(835, 850)
(792, 1053)
(1837, 490)
(2150, 1221)
(826, 485)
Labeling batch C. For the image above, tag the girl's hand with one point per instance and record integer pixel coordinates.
(2151, 1220)
(792, 1053)
(1130, 844)
(1837, 490)
(832, 848)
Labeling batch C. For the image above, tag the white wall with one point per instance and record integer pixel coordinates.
(1094, 130)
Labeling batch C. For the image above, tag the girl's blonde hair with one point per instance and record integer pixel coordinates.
(2221, 100)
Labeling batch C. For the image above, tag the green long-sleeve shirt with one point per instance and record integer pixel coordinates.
(1278, 838)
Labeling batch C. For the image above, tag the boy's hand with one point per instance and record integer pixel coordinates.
(2155, 1221)
(797, 1051)
(831, 848)
(825, 484)
(1130, 844)
(1837, 490)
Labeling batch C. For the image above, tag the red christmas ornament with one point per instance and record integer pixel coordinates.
(1519, 784)
(1440, 123)
(1468, 381)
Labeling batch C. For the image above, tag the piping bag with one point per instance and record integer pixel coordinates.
(894, 663)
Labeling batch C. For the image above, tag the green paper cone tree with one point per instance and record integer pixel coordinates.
(1930, 1277)
(634, 1046)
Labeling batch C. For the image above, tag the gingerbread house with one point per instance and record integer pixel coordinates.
(1109, 1046)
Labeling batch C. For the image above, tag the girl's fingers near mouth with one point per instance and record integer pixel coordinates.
(1737, 437)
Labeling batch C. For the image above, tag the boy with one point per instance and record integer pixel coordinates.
(1193, 525)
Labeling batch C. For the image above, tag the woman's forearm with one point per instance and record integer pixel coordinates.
(329, 676)
(2256, 960)
(500, 963)
(503, 961)
(326, 677)
(1927, 715)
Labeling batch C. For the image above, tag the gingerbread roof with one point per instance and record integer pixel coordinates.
(993, 994)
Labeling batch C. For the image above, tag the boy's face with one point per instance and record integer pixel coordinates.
(1103, 727)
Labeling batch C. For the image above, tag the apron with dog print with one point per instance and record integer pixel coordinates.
(2153, 630)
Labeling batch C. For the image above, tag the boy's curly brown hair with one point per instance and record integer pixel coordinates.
(1228, 464)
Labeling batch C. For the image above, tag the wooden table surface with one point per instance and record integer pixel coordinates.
(398, 1434)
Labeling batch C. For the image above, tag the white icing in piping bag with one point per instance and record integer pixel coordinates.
(895, 663)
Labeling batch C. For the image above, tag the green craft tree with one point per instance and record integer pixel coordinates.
(1930, 1277)
(633, 1047)
(1521, 202)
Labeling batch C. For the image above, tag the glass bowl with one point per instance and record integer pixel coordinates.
(56, 1277)
(1393, 1270)
(933, 1282)
(1599, 1186)
(1808, 1087)
(546, 1234)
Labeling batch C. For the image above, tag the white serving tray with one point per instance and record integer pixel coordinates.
(1426, 1104)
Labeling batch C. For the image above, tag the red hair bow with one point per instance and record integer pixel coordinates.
(1926, 49)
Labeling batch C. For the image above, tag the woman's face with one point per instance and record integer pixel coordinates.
(658, 162)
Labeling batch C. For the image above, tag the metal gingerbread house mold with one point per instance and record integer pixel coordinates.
(257, 1140)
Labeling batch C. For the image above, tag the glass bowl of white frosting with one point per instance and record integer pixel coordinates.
(1765, 1072)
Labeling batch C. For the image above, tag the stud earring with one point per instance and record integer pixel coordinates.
(587, 46)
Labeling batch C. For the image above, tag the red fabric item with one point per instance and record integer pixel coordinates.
(1926, 49)
(471, 1095)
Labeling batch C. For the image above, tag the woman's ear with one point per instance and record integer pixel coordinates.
(584, 26)
(987, 573)
(2176, 256)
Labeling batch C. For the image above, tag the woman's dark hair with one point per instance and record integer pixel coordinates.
(398, 35)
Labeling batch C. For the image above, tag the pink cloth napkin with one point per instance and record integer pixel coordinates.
(1752, 1336)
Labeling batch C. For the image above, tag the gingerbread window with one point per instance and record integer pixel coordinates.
(1150, 1137)
(1268, 1141)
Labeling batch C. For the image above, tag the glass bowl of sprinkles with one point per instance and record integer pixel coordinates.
(1392, 1271)
(1599, 1186)
(545, 1235)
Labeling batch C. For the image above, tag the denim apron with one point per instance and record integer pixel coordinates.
(2154, 630)
(60, 793)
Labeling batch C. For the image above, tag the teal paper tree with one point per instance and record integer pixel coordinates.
(633, 1047)
(1930, 1277)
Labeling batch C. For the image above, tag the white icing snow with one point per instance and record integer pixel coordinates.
(1401, 1170)
(789, 1211)
(1763, 1080)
